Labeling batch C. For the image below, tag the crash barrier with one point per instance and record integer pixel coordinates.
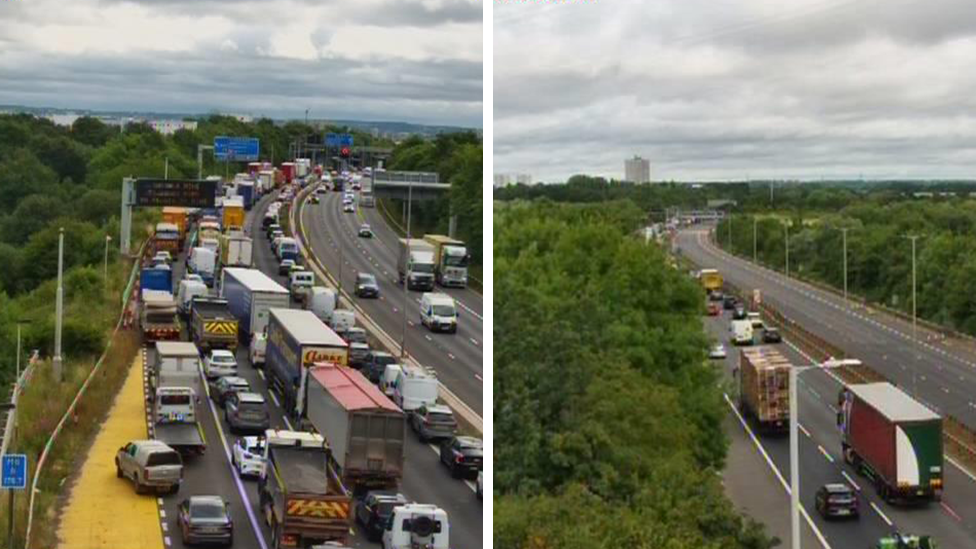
(959, 439)
(126, 295)
(10, 426)
(465, 414)
(392, 220)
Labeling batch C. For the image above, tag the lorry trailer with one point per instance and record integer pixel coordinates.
(892, 439)
(362, 426)
(764, 388)
(296, 340)
(174, 386)
(251, 294)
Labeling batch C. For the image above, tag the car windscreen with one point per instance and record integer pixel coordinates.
(174, 400)
(439, 417)
(443, 310)
(163, 458)
(218, 359)
(422, 268)
(253, 407)
(367, 279)
(208, 510)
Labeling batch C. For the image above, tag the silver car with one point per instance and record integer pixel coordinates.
(433, 421)
(150, 465)
(246, 412)
(220, 362)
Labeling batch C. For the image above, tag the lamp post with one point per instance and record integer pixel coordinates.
(56, 362)
(406, 278)
(913, 238)
(786, 232)
(844, 233)
(108, 239)
(20, 323)
(755, 227)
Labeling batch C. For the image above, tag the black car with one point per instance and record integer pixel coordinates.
(205, 519)
(462, 455)
(376, 365)
(284, 268)
(772, 335)
(366, 285)
(837, 500)
(272, 228)
(739, 313)
(715, 295)
(728, 302)
(374, 510)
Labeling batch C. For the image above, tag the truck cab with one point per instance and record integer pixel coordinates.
(451, 260)
(417, 525)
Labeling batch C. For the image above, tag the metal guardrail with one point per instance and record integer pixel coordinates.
(81, 391)
(19, 384)
(465, 412)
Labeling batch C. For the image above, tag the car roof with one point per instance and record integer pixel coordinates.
(251, 440)
(221, 352)
(235, 380)
(837, 488)
(206, 500)
(439, 409)
(386, 495)
(470, 441)
(250, 397)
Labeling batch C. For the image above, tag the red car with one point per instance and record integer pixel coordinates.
(713, 309)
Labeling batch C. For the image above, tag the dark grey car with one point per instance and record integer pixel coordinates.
(246, 413)
(433, 421)
(374, 510)
(366, 285)
(358, 354)
(205, 519)
(377, 365)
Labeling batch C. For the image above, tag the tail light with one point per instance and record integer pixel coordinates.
(458, 458)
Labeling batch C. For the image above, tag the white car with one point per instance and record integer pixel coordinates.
(193, 276)
(349, 208)
(248, 456)
(220, 362)
(718, 351)
(163, 256)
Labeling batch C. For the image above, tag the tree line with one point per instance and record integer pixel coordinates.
(607, 415)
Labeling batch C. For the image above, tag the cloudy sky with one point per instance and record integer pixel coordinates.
(732, 89)
(401, 60)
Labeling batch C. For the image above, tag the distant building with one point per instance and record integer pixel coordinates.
(63, 119)
(637, 170)
(169, 127)
(506, 179)
(502, 180)
(523, 179)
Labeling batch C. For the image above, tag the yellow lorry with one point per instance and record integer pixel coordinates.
(711, 280)
(233, 214)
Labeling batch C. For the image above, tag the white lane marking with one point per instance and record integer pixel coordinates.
(804, 429)
(167, 541)
(479, 377)
(850, 480)
(288, 423)
(450, 355)
(950, 511)
(434, 448)
(825, 453)
(273, 397)
(881, 514)
(427, 337)
(772, 466)
(159, 501)
(162, 513)
(473, 340)
(261, 374)
(165, 527)
(471, 484)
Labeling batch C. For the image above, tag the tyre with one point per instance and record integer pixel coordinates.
(118, 471)
(140, 489)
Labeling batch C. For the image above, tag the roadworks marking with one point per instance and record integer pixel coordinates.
(825, 453)
(881, 514)
(804, 430)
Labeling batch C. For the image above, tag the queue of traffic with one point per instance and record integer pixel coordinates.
(349, 404)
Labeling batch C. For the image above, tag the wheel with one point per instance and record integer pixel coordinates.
(140, 489)
(118, 471)
(454, 471)
(275, 537)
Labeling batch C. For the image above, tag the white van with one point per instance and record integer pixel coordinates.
(416, 525)
(203, 262)
(756, 320)
(438, 312)
(301, 282)
(742, 333)
(259, 343)
(342, 320)
(187, 291)
(388, 379)
(211, 244)
(414, 387)
(322, 302)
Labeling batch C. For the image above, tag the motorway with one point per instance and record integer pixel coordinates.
(457, 358)
(952, 523)
(941, 373)
(425, 479)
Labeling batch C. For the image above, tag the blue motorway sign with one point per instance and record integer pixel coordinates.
(338, 140)
(14, 471)
(244, 149)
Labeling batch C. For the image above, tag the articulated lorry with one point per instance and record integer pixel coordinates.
(174, 388)
(296, 340)
(362, 426)
(451, 260)
(415, 264)
(251, 294)
(301, 497)
(764, 388)
(212, 326)
(893, 440)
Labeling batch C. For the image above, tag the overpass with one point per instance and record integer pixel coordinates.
(401, 185)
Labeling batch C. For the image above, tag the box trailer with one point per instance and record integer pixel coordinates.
(296, 340)
(764, 388)
(892, 439)
(362, 426)
(251, 294)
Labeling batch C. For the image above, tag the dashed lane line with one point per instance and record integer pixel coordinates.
(881, 514)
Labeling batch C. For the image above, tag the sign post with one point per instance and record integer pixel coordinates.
(14, 477)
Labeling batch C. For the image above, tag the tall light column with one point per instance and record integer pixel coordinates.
(755, 227)
(913, 238)
(786, 231)
(844, 233)
(56, 363)
(406, 279)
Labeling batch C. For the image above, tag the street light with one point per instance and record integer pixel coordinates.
(20, 323)
(786, 231)
(755, 256)
(913, 238)
(108, 239)
(843, 231)
(406, 278)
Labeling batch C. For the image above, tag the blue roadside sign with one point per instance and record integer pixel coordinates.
(14, 471)
(338, 140)
(241, 149)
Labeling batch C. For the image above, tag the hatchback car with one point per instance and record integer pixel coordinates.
(462, 456)
(322, 189)
(713, 309)
(365, 231)
(247, 456)
(220, 362)
(728, 302)
(358, 354)
(205, 519)
(163, 256)
(718, 351)
(222, 387)
(366, 285)
(246, 412)
(355, 334)
(433, 421)
(376, 365)
(349, 208)
(285, 266)
(772, 335)
(374, 511)
(837, 500)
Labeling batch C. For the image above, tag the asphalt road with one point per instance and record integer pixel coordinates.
(953, 522)
(940, 373)
(333, 238)
(425, 479)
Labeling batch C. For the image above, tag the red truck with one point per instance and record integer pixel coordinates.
(893, 440)
(288, 170)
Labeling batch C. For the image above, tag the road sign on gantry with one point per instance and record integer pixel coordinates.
(239, 149)
(189, 193)
(338, 140)
(14, 471)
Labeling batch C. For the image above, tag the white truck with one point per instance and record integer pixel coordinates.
(451, 260)
(742, 332)
(415, 264)
(417, 525)
(236, 251)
